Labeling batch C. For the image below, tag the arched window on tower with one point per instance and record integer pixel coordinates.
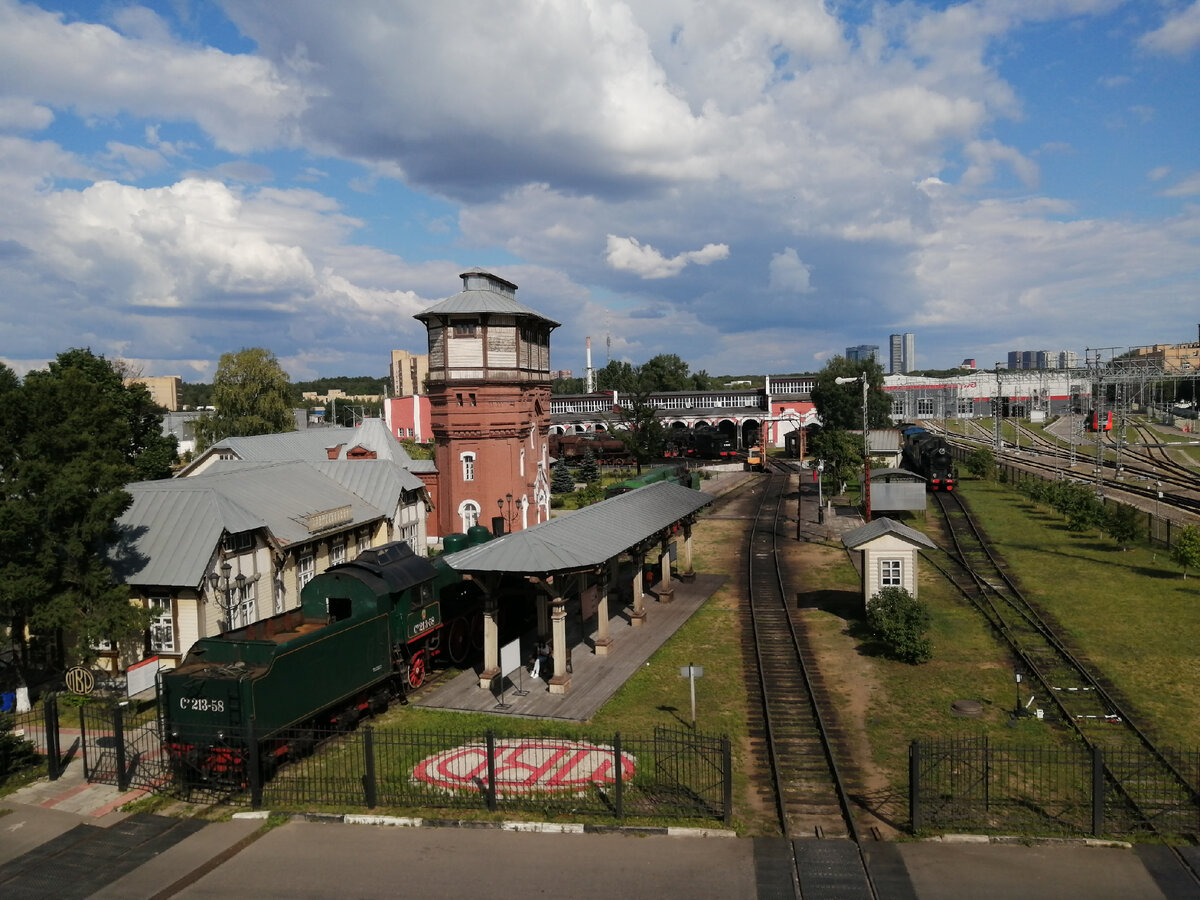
(522, 463)
(468, 466)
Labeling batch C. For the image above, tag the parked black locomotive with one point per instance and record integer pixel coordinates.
(365, 633)
(928, 455)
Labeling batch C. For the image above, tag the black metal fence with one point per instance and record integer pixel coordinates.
(974, 785)
(668, 774)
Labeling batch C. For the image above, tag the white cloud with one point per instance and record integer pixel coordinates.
(1185, 187)
(242, 101)
(1179, 34)
(19, 114)
(629, 255)
(788, 274)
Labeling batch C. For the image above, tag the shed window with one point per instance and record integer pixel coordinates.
(891, 572)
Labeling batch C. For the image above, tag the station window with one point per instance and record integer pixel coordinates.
(306, 569)
(891, 572)
(162, 626)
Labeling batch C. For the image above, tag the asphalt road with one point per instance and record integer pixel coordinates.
(308, 860)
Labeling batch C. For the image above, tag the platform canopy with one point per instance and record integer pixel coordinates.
(586, 538)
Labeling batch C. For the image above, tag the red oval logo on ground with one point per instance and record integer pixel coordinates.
(525, 765)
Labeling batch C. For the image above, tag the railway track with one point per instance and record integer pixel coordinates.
(813, 806)
(1150, 791)
(1134, 472)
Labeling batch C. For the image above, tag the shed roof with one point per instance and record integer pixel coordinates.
(880, 527)
(586, 538)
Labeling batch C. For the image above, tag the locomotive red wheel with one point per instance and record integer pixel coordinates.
(458, 643)
(416, 669)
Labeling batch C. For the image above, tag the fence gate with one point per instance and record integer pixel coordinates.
(697, 767)
(121, 749)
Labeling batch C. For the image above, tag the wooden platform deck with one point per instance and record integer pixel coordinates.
(594, 679)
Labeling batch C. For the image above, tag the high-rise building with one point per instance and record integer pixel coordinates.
(863, 352)
(903, 352)
(409, 372)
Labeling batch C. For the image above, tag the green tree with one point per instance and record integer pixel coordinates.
(1123, 524)
(252, 395)
(589, 469)
(982, 463)
(1186, 549)
(666, 372)
(840, 406)
(900, 621)
(616, 376)
(637, 424)
(561, 479)
(841, 451)
(61, 492)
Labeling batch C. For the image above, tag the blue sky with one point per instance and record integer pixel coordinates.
(754, 185)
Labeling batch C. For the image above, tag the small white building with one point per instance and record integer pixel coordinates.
(890, 552)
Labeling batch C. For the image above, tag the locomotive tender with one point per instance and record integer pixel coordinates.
(364, 633)
(928, 455)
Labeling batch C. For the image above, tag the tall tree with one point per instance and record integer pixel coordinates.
(666, 372)
(637, 424)
(252, 395)
(75, 436)
(840, 406)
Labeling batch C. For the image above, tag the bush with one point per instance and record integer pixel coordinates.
(900, 622)
(982, 463)
(15, 753)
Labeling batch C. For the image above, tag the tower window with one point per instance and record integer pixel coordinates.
(468, 466)
(466, 328)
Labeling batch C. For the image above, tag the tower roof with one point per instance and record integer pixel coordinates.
(482, 293)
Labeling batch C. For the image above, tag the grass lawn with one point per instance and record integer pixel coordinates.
(1131, 613)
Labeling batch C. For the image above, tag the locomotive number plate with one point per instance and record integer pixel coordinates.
(201, 704)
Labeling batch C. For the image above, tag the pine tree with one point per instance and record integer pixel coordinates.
(589, 469)
(562, 481)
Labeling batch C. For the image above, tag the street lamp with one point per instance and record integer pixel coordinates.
(224, 587)
(866, 442)
(505, 505)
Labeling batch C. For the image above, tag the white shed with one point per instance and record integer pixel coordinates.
(890, 552)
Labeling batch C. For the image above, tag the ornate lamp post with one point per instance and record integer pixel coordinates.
(508, 511)
(224, 588)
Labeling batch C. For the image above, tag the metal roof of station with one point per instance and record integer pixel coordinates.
(586, 538)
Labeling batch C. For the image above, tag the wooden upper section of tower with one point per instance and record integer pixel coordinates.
(484, 334)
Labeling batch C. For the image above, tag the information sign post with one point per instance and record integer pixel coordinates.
(691, 673)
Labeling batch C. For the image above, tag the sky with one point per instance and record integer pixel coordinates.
(752, 185)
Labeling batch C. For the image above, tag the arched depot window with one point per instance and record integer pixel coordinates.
(468, 466)
(468, 511)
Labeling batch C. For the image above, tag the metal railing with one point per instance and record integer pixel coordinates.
(667, 774)
(975, 785)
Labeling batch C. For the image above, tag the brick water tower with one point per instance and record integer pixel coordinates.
(489, 394)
